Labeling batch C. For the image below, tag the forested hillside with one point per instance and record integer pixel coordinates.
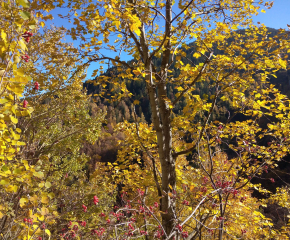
(106, 148)
(118, 111)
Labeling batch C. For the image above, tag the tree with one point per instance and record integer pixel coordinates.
(44, 122)
(149, 30)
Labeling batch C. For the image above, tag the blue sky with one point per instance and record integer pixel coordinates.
(276, 17)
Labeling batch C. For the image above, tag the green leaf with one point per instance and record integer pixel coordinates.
(17, 171)
(25, 15)
(4, 168)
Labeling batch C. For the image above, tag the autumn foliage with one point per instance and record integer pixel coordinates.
(69, 169)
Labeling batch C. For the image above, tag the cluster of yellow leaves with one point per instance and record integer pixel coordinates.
(40, 147)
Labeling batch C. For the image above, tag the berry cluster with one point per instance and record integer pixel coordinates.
(142, 232)
(96, 200)
(85, 208)
(159, 234)
(179, 227)
(25, 103)
(99, 233)
(29, 221)
(82, 223)
(102, 215)
(25, 58)
(27, 35)
(184, 234)
(36, 86)
(185, 202)
(75, 228)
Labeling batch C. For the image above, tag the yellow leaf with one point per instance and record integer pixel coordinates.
(192, 188)
(44, 199)
(283, 63)
(3, 36)
(19, 72)
(40, 217)
(13, 119)
(22, 45)
(136, 72)
(47, 184)
(22, 201)
(47, 232)
(33, 199)
(12, 188)
(38, 174)
(21, 143)
(44, 211)
(136, 102)
(23, 3)
(196, 55)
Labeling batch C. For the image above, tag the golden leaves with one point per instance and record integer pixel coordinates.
(44, 199)
(23, 201)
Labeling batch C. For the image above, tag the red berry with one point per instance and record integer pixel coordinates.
(84, 208)
(184, 234)
(75, 227)
(102, 215)
(96, 200)
(25, 104)
(36, 86)
(179, 227)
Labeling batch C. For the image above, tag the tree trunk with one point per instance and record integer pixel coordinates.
(162, 125)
